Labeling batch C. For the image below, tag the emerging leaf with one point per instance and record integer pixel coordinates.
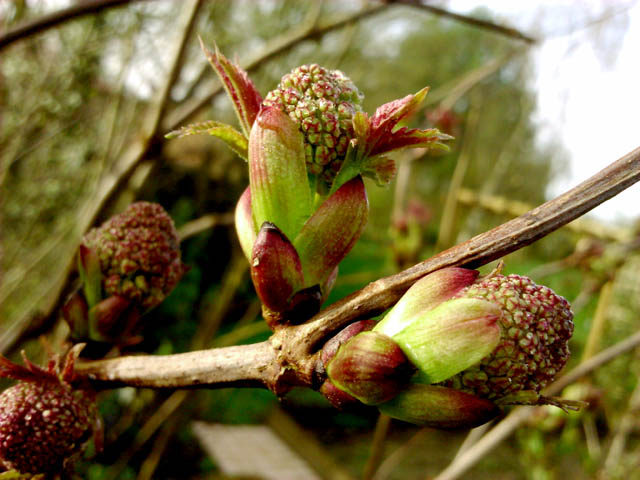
(229, 135)
(243, 93)
(280, 191)
(424, 295)
(450, 338)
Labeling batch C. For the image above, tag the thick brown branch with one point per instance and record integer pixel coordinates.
(246, 365)
(291, 349)
(46, 22)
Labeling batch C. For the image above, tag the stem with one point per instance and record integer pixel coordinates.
(245, 365)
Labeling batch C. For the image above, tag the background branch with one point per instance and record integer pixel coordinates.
(46, 22)
(475, 22)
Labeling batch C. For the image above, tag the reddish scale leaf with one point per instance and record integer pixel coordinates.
(332, 230)
(276, 270)
(246, 98)
(440, 407)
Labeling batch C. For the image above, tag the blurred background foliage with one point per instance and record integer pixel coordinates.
(84, 107)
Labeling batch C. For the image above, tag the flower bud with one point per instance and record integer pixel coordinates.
(45, 418)
(496, 339)
(139, 254)
(322, 103)
(370, 367)
(128, 265)
(536, 326)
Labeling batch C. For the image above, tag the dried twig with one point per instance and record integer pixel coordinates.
(476, 22)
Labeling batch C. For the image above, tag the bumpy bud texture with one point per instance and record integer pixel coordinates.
(536, 326)
(139, 254)
(42, 425)
(322, 103)
(46, 417)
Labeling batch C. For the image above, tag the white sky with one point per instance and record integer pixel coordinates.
(589, 100)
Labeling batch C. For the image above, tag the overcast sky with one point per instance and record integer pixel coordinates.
(588, 83)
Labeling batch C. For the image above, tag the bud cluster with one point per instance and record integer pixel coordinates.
(536, 325)
(308, 144)
(139, 254)
(453, 350)
(127, 266)
(46, 418)
(322, 103)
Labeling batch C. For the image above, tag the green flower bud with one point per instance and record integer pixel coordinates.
(497, 339)
(322, 103)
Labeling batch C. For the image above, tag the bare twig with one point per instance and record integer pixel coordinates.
(479, 250)
(204, 223)
(476, 22)
(377, 446)
(506, 206)
(448, 222)
(287, 359)
(46, 22)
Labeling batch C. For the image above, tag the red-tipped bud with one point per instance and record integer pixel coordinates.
(331, 232)
(371, 367)
(275, 268)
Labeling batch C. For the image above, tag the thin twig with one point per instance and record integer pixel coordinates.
(476, 22)
(204, 223)
(448, 220)
(51, 20)
(377, 446)
(479, 250)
